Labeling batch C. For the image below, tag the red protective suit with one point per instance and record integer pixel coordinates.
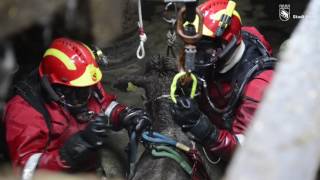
(27, 132)
(253, 93)
(220, 90)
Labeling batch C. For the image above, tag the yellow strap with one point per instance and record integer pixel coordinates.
(173, 87)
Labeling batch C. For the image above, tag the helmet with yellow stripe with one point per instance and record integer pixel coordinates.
(221, 20)
(69, 73)
(70, 63)
(221, 32)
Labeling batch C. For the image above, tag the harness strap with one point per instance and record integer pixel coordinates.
(165, 151)
(27, 92)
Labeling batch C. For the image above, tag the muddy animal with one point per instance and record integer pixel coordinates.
(156, 82)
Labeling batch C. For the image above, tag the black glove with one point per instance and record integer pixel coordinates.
(187, 114)
(82, 146)
(95, 132)
(135, 119)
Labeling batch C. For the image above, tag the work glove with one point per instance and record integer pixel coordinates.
(95, 132)
(188, 116)
(83, 146)
(135, 119)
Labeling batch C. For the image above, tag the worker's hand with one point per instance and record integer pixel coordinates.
(135, 119)
(188, 116)
(186, 113)
(95, 132)
(82, 146)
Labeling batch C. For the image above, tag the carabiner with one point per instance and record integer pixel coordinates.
(180, 28)
(173, 87)
(173, 19)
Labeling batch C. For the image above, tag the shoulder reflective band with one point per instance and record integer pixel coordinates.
(173, 87)
(30, 167)
(109, 109)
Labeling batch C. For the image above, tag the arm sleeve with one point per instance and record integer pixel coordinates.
(112, 109)
(27, 134)
(227, 141)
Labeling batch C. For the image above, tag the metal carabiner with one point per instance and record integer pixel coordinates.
(173, 19)
(189, 39)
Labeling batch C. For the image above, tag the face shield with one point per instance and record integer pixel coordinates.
(207, 56)
(212, 54)
(76, 100)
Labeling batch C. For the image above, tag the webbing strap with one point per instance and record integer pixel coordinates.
(26, 90)
(165, 151)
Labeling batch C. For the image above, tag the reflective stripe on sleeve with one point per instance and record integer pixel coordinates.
(109, 109)
(30, 167)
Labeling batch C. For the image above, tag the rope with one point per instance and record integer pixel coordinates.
(143, 37)
(164, 146)
(157, 138)
(165, 151)
(209, 159)
(171, 39)
(132, 154)
(171, 34)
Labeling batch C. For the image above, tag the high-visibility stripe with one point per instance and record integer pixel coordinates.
(31, 166)
(216, 17)
(91, 76)
(61, 57)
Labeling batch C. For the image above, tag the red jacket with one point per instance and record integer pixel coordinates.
(219, 91)
(27, 132)
(253, 94)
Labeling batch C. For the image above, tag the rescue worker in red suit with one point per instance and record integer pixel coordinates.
(234, 66)
(66, 129)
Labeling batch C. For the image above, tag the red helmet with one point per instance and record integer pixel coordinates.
(70, 63)
(221, 15)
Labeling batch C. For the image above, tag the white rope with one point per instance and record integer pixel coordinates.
(143, 37)
(209, 159)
